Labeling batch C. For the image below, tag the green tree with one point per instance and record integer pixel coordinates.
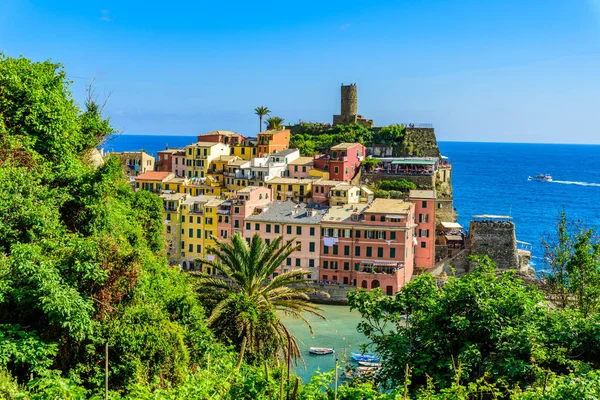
(261, 111)
(275, 123)
(247, 299)
(370, 163)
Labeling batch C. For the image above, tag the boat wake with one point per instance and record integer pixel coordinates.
(577, 183)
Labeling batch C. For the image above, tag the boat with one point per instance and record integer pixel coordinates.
(369, 364)
(364, 357)
(541, 178)
(320, 350)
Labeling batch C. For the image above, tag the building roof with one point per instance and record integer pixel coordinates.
(345, 186)
(226, 158)
(302, 161)
(274, 131)
(173, 196)
(421, 194)
(172, 151)
(290, 181)
(286, 152)
(344, 146)
(389, 206)
(249, 189)
(221, 133)
(154, 176)
(239, 163)
(204, 144)
(199, 199)
(366, 189)
(344, 212)
(327, 182)
(288, 212)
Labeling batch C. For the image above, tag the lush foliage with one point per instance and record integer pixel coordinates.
(246, 300)
(275, 123)
(400, 185)
(483, 327)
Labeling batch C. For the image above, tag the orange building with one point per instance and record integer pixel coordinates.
(272, 141)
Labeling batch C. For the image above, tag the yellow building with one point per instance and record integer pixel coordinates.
(295, 189)
(234, 179)
(154, 181)
(344, 193)
(200, 155)
(172, 208)
(245, 151)
(218, 167)
(198, 227)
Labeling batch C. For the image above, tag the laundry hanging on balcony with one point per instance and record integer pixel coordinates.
(330, 241)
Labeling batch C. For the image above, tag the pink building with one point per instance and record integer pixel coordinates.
(300, 167)
(342, 162)
(178, 166)
(424, 202)
(294, 221)
(233, 212)
(321, 189)
(368, 246)
(164, 161)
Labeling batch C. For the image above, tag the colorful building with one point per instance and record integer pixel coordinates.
(225, 137)
(342, 162)
(165, 159)
(172, 221)
(135, 162)
(344, 193)
(243, 204)
(200, 155)
(424, 202)
(298, 222)
(295, 189)
(368, 245)
(153, 181)
(272, 141)
(321, 191)
(245, 150)
(300, 167)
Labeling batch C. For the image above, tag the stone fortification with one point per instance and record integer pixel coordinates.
(423, 182)
(497, 240)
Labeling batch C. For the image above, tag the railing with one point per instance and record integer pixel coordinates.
(418, 125)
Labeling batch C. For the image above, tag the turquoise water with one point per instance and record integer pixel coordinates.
(338, 331)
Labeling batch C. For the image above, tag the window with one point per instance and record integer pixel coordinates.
(257, 227)
(298, 230)
(357, 234)
(392, 252)
(312, 231)
(357, 251)
(324, 277)
(198, 248)
(268, 241)
(369, 251)
(423, 232)
(346, 250)
(303, 169)
(191, 219)
(345, 280)
(393, 235)
(190, 247)
(289, 229)
(380, 252)
(335, 249)
(182, 245)
(288, 261)
(346, 266)
(382, 218)
(295, 168)
(198, 220)
(424, 218)
(335, 277)
(325, 249)
(190, 233)
(297, 262)
(311, 247)
(439, 205)
(423, 245)
(424, 204)
(372, 218)
(276, 228)
(336, 170)
(183, 218)
(236, 210)
(311, 263)
(347, 233)
(199, 233)
(325, 266)
(299, 244)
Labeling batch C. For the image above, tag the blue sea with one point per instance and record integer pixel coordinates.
(491, 178)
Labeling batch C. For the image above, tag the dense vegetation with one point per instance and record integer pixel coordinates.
(314, 139)
(485, 333)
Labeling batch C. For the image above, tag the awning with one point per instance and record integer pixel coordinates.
(454, 238)
(382, 263)
(451, 225)
(397, 216)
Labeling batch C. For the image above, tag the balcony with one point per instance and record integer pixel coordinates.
(381, 267)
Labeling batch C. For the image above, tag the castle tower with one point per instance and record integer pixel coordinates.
(349, 101)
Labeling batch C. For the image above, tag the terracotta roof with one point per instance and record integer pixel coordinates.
(222, 133)
(154, 176)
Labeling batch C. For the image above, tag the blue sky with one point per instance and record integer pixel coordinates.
(493, 70)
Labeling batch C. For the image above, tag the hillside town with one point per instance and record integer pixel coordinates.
(226, 183)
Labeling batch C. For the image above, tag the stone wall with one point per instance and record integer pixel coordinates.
(349, 100)
(497, 240)
(444, 210)
(420, 142)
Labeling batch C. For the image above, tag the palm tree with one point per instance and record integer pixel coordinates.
(274, 123)
(261, 111)
(246, 300)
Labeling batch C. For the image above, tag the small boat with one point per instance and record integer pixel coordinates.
(541, 178)
(320, 350)
(365, 357)
(369, 364)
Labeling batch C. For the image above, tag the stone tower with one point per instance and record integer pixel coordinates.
(349, 108)
(349, 99)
